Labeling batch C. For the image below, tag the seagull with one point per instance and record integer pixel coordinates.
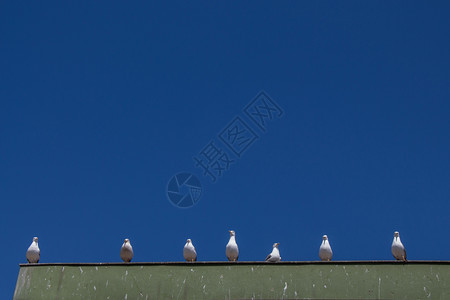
(189, 252)
(275, 255)
(126, 252)
(325, 252)
(33, 252)
(397, 248)
(232, 250)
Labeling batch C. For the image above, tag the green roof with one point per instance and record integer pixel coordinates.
(240, 280)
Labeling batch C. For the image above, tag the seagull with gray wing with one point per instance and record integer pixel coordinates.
(126, 252)
(33, 252)
(275, 255)
(189, 252)
(325, 252)
(397, 248)
(232, 250)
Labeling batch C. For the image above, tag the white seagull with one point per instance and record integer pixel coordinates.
(33, 252)
(275, 255)
(232, 250)
(325, 252)
(397, 248)
(126, 252)
(189, 252)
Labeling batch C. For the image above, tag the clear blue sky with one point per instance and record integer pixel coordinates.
(101, 104)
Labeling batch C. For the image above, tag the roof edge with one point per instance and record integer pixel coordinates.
(218, 263)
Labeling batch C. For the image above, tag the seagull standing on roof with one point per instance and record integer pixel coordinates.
(397, 248)
(275, 255)
(33, 252)
(189, 252)
(232, 250)
(126, 252)
(325, 252)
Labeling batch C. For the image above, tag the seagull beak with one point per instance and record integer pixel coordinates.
(278, 244)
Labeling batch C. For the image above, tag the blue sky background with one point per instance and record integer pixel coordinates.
(101, 104)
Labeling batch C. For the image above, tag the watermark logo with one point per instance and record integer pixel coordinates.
(184, 190)
(238, 136)
(213, 161)
(220, 153)
(262, 110)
